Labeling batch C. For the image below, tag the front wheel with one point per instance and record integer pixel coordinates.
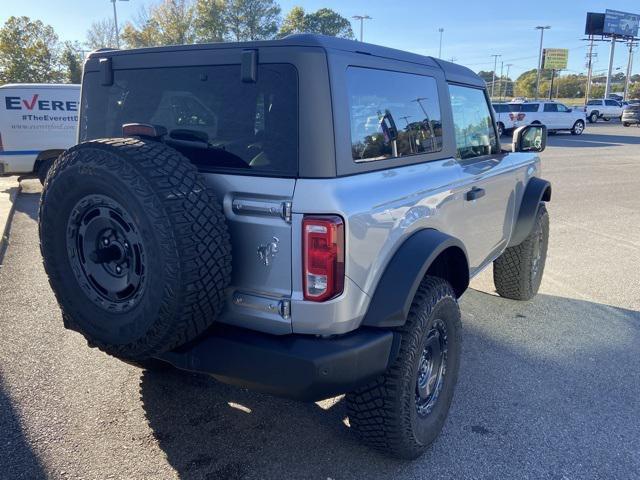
(517, 273)
(402, 412)
(578, 128)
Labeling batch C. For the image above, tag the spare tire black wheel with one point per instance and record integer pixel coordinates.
(135, 245)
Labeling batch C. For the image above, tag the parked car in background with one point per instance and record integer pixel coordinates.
(556, 116)
(604, 108)
(631, 115)
(503, 121)
(37, 123)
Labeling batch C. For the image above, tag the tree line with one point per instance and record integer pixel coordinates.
(31, 51)
(564, 86)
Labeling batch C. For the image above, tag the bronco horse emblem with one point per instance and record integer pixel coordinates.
(268, 251)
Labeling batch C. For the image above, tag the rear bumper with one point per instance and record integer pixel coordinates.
(294, 366)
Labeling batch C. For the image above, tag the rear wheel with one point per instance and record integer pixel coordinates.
(135, 246)
(500, 129)
(517, 273)
(578, 128)
(593, 117)
(402, 412)
(625, 124)
(43, 169)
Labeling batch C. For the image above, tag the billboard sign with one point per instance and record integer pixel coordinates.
(595, 24)
(621, 23)
(555, 58)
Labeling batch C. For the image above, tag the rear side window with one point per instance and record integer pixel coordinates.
(523, 107)
(213, 118)
(392, 114)
(474, 130)
(500, 107)
(594, 102)
(550, 107)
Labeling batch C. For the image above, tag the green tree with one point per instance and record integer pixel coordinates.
(28, 51)
(101, 34)
(328, 22)
(294, 22)
(210, 20)
(71, 60)
(171, 22)
(252, 19)
(525, 85)
(486, 76)
(324, 21)
(634, 90)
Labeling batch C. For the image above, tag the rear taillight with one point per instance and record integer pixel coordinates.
(322, 257)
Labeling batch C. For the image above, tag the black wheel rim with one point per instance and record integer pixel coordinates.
(432, 368)
(106, 253)
(537, 253)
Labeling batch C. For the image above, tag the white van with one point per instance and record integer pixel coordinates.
(37, 123)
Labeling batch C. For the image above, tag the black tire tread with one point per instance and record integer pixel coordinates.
(375, 411)
(192, 229)
(511, 270)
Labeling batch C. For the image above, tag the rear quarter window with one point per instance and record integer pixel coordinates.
(392, 114)
(213, 118)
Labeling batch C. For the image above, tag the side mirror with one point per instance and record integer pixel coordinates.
(530, 138)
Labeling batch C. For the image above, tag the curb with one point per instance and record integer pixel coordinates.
(4, 229)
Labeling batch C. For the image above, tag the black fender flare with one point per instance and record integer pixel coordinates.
(398, 284)
(537, 190)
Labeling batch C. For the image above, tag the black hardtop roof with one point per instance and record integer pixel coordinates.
(452, 71)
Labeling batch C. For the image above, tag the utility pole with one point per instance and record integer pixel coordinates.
(362, 18)
(607, 87)
(629, 69)
(509, 65)
(542, 29)
(501, 79)
(589, 70)
(115, 21)
(495, 67)
(440, 48)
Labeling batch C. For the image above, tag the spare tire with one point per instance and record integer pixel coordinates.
(135, 245)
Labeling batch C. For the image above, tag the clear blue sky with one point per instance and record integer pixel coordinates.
(473, 30)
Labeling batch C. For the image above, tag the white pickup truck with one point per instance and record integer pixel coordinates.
(37, 123)
(604, 108)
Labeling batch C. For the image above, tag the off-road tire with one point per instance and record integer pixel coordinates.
(515, 274)
(184, 249)
(384, 413)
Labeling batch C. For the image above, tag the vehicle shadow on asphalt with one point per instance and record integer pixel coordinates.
(17, 459)
(530, 399)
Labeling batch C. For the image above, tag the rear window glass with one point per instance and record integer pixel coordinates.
(392, 114)
(523, 107)
(213, 118)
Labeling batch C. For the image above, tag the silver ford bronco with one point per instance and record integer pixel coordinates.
(296, 216)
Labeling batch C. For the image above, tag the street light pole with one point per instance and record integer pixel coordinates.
(542, 29)
(440, 49)
(495, 66)
(115, 21)
(362, 18)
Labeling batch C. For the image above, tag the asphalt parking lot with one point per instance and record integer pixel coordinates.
(548, 388)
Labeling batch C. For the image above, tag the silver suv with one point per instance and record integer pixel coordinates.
(296, 216)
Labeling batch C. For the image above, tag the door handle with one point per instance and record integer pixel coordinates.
(474, 194)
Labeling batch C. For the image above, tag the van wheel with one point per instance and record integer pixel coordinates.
(43, 169)
(517, 273)
(500, 129)
(135, 246)
(402, 412)
(625, 124)
(578, 128)
(593, 118)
